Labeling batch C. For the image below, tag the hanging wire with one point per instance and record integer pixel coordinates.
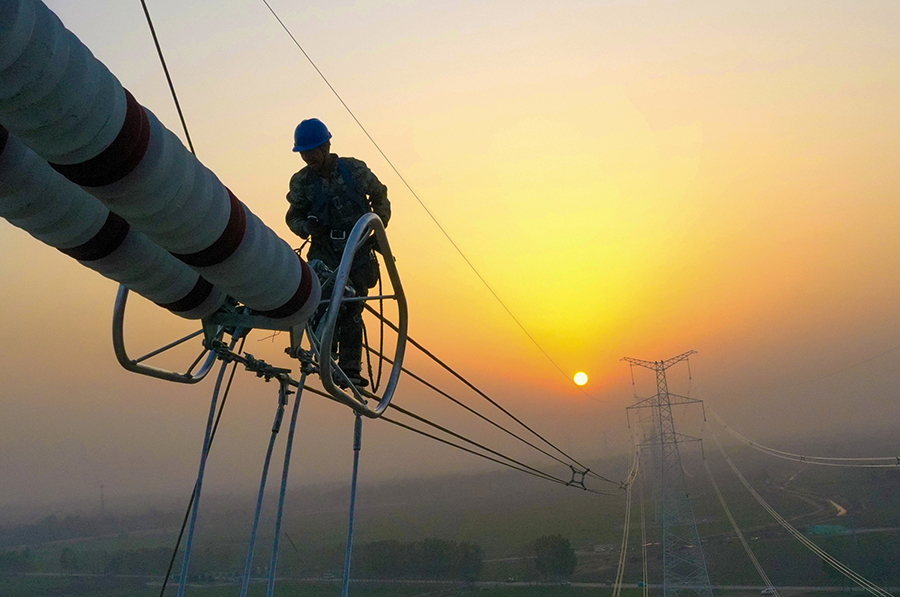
(348, 553)
(545, 477)
(623, 551)
(422, 203)
(836, 461)
(276, 541)
(375, 380)
(198, 485)
(644, 541)
(187, 512)
(165, 68)
(825, 556)
(276, 427)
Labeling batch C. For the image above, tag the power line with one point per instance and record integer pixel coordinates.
(165, 68)
(421, 419)
(737, 531)
(836, 461)
(469, 408)
(190, 505)
(422, 203)
(464, 449)
(471, 386)
(825, 556)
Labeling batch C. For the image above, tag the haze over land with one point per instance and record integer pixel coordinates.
(634, 179)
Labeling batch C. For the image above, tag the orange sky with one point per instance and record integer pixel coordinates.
(633, 178)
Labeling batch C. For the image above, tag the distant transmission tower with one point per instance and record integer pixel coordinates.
(684, 565)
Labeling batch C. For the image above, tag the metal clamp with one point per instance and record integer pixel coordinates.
(369, 225)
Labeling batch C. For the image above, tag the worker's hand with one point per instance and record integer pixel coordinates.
(315, 227)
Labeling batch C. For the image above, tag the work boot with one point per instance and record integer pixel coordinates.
(355, 378)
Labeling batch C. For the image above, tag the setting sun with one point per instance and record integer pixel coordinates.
(581, 378)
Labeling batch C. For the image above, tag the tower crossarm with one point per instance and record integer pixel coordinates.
(677, 437)
(682, 357)
(653, 401)
(652, 365)
(659, 365)
(676, 400)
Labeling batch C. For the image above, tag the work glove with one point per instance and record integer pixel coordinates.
(315, 227)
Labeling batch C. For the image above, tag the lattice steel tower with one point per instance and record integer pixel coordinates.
(684, 565)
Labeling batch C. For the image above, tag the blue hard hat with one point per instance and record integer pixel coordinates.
(309, 134)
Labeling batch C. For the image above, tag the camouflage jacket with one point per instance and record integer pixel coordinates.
(308, 188)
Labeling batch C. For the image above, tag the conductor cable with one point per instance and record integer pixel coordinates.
(471, 386)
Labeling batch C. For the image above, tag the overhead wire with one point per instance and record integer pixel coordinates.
(165, 68)
(471, 410)
(422, 203)
(190, 505)
(539, 474)
(387, 419)
(623, 551)
(490, 400)
(825, 556)
(737, 531)
(521, 465)
(645, 576)
(835, 461)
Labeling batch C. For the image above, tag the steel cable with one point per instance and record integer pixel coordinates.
(644, 540)
(187, 512)
(836, 461)
(620, 571)
(825, 556)
(545, 477)
(459, 403)
(475, 389)
(198, 485)
(282, 494)
(276, 427)
(421, 419)
(165, 68)
(737, 531)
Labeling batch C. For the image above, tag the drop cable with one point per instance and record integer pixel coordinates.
(198, 486)
(421, 419)
(276, 427)
(485, 456)
(190, 505)
(644, 540)
(357, 446)
(276, 541)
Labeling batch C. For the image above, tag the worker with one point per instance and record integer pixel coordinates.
(326, 199)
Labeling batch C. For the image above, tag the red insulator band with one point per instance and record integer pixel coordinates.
(228, 241)
(109, 238)
(298, 300)
(199, 293)
(121, 157)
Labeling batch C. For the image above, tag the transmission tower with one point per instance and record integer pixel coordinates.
(684, 565)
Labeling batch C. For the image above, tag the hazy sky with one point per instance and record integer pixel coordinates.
(633, 178)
